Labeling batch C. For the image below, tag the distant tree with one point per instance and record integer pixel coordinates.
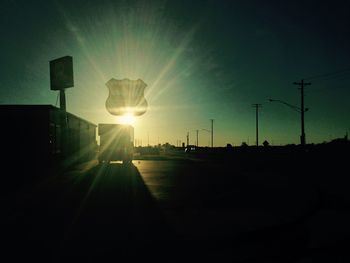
(244, 144)
(166, 145)
(229, 145)
(266, 143)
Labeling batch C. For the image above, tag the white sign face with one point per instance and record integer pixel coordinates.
(126, 97)
(61, 73)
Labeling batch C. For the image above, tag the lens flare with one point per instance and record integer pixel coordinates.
(128, 119)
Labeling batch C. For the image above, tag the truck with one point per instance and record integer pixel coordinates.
(116, 143)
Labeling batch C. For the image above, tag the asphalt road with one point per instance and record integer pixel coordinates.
(172, 211)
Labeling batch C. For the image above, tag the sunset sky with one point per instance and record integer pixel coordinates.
(201, 60)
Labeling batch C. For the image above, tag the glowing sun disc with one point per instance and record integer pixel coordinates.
(128, 119)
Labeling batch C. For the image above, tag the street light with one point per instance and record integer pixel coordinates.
(197, 143)
(289, 105)
(299, 110)
(212, 132)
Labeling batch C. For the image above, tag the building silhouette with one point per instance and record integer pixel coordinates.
(38, 139)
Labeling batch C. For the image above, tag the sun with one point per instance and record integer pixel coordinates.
(128, 119)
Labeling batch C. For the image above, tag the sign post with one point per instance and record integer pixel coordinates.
(61, 77)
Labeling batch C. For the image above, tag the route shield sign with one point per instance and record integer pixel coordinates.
(126, 97)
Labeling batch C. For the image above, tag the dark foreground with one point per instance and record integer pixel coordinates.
(251, 208)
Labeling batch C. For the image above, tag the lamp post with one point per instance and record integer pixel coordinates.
(197, 142)
(212, 133)
(257, 106)
(301, 111)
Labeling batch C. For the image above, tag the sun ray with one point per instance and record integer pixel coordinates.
(128, 119)
(172, 61)
(80, 40)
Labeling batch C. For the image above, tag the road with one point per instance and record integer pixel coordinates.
(165, 210)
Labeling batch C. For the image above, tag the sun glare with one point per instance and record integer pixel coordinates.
(127, 119)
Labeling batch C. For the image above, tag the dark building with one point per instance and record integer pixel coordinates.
(37, 139)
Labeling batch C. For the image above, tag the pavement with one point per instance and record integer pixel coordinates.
(174, 210)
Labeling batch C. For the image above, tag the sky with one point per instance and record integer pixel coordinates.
(201, 60)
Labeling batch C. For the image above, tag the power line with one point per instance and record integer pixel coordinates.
(327, 74)
(323, 84)
(328, 87)
(342, 76)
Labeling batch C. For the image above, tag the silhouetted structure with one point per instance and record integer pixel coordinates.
(38, 138)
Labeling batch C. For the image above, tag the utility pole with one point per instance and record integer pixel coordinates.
(197, 138)
(257, 106)
(188, 138)
(302, 111)
(212, 133)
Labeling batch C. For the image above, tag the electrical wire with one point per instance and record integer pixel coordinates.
(327, 74)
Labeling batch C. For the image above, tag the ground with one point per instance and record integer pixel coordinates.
(178, 208)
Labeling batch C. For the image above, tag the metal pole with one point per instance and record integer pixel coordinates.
(257, 106)
(64, 123)
(212, 133)
(62, 100)
(257, 127)
(303, 139)
(197, 137)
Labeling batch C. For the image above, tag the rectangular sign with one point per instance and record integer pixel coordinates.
(61, 73)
